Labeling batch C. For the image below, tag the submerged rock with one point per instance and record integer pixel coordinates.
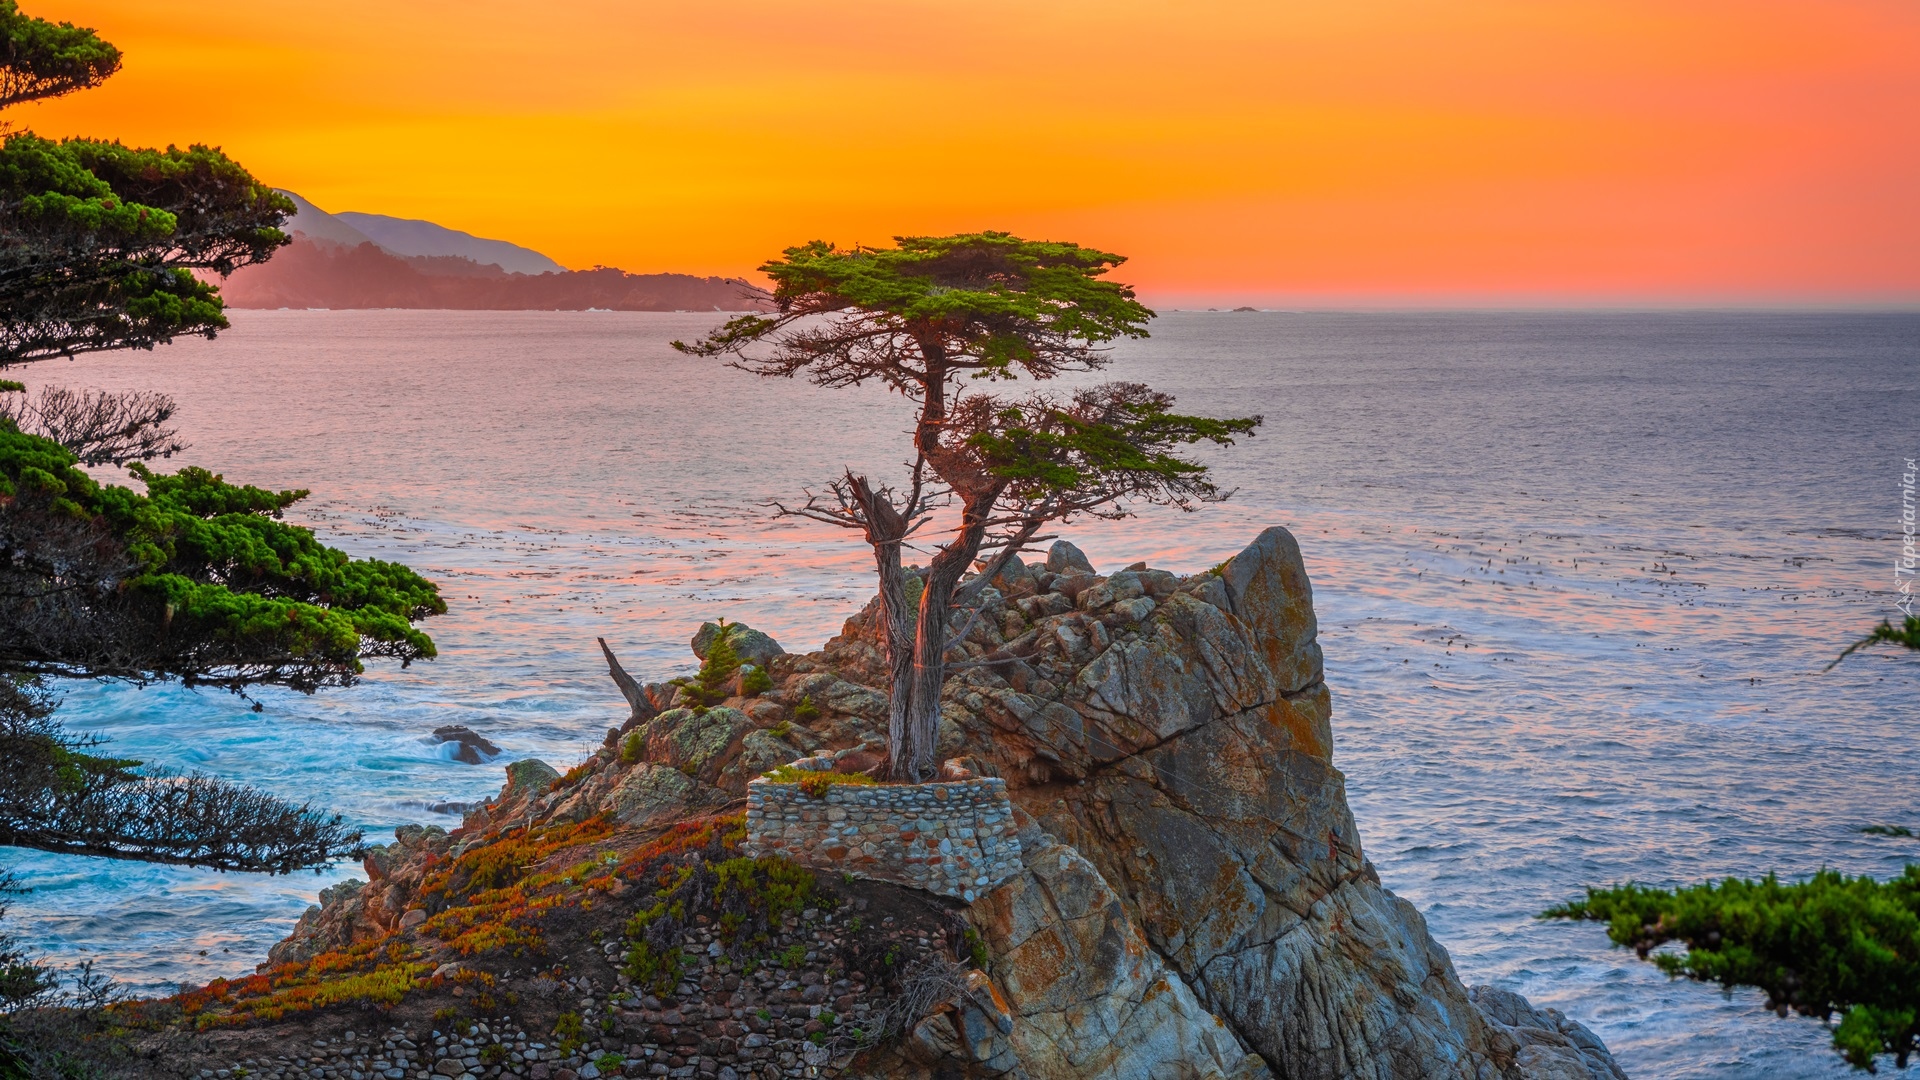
(470, 746)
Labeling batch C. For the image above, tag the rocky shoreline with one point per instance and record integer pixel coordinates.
(1192, 899)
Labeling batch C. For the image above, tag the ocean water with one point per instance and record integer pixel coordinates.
(1578, 575)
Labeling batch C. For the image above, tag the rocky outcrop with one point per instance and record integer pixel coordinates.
(354, 911)
(1552, 1047)
(750, 645)
(1176, 734)
(1087, 996)
(1193, 899)
(468, 745)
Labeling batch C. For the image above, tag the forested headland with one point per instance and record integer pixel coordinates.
(314, 273)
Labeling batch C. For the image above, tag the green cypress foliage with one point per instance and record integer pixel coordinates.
(1906, 635)
(197, 579)
(45, 59)
(708, 688)
(1830, 945)
(106, 246)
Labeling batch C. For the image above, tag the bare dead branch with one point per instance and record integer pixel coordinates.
(100, 427)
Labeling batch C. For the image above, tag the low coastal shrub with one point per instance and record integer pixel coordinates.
(756, 681)
(816, 782)
(633, 747)
(806, 712)
(569, 1031)
(493, 898)
(377, 973)
(1830, 945)
(745, 900)
(572, 776)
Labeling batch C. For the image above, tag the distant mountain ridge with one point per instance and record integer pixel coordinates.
(311, 273)
(411, 237)
(317, 224)
(375, 261)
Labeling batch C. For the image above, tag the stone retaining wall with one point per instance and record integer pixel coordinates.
(956, 839)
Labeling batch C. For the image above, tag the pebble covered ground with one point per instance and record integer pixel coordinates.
(804, 1011)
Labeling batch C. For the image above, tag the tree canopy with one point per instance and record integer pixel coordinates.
(990, 304)
(920, 317)
(103, 246)
(100, 242)
(197, 580)
(101, 427)
(1830, 945)
(45, 59)
(56, 796)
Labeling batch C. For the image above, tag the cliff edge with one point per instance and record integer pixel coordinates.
(1192, 898)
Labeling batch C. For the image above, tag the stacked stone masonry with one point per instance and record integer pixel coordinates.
(955, 839)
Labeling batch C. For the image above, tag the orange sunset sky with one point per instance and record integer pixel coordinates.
(1391, 151)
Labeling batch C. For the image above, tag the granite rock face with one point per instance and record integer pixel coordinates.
(1087, 996)
(1192, 899)
(1175, 734)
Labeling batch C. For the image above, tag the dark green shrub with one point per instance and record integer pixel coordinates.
(708, 688)
(1830, 945)
(806, 712)
(745, 900)
(756, 681)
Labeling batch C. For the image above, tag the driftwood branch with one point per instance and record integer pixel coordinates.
(636, 696)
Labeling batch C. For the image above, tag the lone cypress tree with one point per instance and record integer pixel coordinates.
(919, 318)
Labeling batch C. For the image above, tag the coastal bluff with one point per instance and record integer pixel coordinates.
(1184, 892)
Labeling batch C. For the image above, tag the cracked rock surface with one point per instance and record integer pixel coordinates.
(1174, 736)
(1193, 902)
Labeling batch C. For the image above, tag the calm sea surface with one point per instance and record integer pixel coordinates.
(1577, 576)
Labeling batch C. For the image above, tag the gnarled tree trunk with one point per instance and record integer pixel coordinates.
(914, 757)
